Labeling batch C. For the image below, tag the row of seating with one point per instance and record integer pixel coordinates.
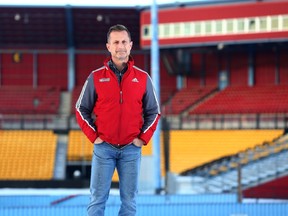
(246, 99)
(241, 158)
(188, 148)
(199, 100)
(186, 97)
(232, 100)
(27, 155)
(81, 149)
(29, 100)
(30, 154)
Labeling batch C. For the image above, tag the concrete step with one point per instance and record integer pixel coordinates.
(60, 160)
(65, 103)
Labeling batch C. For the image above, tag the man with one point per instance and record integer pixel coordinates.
(122, 98)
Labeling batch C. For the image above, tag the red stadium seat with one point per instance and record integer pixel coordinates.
(29, 100)
(245, 99)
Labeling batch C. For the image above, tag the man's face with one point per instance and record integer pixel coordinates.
(119, 45)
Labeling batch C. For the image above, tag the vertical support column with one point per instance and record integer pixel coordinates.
(223, 71)
(166, 150)
(239, 181)
(251, 72)
(71, 68)
(179, 82)
(71, 49)
(155, 78)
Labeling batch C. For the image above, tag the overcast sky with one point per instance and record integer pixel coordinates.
(89, 2)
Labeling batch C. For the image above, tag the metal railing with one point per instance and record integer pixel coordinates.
(229, 121)
(176, 122)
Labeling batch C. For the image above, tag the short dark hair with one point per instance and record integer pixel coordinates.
(118, 28)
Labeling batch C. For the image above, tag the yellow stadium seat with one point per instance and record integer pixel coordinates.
(27, 155)
(192, 148)
(188, 148)
(80, 148)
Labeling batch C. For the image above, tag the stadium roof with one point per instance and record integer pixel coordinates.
(112, 3)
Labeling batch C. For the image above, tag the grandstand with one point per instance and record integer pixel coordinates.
(223, 94)
(27, 155)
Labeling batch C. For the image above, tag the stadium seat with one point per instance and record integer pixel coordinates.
(190, 149)
(246, 99)
(29, 100)
(81, 149)
(186, 97)
(27, 155)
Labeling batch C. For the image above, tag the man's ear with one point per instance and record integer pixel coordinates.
(108, 46)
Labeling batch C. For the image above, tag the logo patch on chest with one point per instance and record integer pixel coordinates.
(135, 80)
(104, 80)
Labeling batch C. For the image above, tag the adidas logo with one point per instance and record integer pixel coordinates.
(135, 80)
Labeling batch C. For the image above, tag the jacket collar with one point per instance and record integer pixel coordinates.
(108, 63)
(119, 74)
(112, 66)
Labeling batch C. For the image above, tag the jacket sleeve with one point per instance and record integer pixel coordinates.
(151, 112)
(84, 109)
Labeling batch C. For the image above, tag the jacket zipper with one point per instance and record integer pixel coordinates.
(121, 102)
(121, 97)
(120, 84)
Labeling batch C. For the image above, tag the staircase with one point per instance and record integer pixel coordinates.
(252, 174)
(61, 121)
(60, 160)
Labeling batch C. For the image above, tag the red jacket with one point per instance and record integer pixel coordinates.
(122, 111)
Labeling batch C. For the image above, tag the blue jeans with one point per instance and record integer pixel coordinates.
(104, 161)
